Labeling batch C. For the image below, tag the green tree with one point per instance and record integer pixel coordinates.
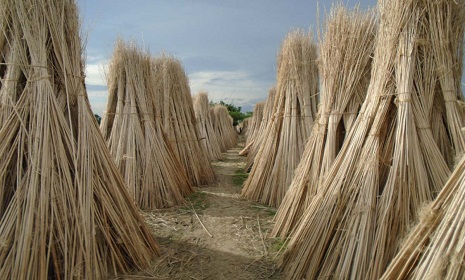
(234, 112)
(98, 118)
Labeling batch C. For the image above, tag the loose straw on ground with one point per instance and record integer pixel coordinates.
(65, 212)
(294, 111)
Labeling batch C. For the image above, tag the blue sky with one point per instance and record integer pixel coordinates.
(228, 48)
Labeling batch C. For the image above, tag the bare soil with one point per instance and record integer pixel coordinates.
(217, 234)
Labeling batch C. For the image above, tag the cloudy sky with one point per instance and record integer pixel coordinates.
(228, 48)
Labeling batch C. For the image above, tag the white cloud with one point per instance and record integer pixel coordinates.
(95, 78)
(95, 75)
(236, 87)
(98, 108)
(95, 57)
(94, 94)
(98, 100)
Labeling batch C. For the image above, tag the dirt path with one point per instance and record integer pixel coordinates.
(217, 234)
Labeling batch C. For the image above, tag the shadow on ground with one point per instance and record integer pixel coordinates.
(216, 234)
(183, 260)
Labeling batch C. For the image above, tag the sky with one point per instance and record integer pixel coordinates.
(228, 48)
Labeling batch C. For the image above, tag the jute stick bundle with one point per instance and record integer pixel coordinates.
(434, 248)
(65, 212)
(243, 126)
(255, 122)
(146, 159)
(208, 134)
(176, 114)
(9, 93)
(260, 134)
(439, 125)
(388, 167)
(223, 125)
(344, 67)
(294, 112)
(446, 27)
(433, 13)
(253, 127)
(213, 117)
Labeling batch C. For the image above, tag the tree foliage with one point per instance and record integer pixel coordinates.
(98, 118)
(234, 111)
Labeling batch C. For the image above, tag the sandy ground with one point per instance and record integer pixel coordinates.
(216, 234)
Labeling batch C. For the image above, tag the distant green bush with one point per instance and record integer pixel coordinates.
(234, 112)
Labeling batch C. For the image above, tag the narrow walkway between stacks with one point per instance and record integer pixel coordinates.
(217, 234)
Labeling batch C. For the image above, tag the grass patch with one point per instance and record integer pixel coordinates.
(166, 240)
(268, 210)
(198, 200)
(278, 245)
(239, 177)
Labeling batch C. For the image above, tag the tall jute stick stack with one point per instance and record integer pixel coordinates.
(223, 125)
(294, 112)
(208, 135)
(176, 113)
(9, 93)
(449, 16)
(65, 212)
(434, 248)
(268, 112)
(214, 119)
(243, 126)
(388, 167)
(146, 159)
(253, 127)
(255, 122)
(446, 27)
(344, 69)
